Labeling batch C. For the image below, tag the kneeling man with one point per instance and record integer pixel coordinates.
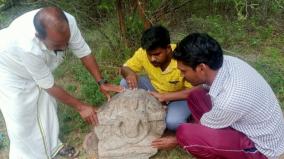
(236, 114)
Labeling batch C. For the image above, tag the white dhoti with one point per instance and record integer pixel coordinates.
(26, 66)
(30, 114)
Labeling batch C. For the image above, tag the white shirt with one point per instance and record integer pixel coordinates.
(24, 56)
(243, 100)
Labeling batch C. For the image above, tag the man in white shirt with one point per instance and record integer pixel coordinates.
(236, 114)
(30, 49)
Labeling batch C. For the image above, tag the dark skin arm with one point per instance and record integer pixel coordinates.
(130, 77)
(179, 95)
(87, 112)
(165, 143)
(170, 142)
(91, 65)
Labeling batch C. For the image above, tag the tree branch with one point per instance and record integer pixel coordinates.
(166, 9)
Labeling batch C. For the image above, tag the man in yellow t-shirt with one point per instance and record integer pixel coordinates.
(162, 75)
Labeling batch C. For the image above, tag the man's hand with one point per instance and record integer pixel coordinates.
(165, 143)
(130, 76)
(106, 88)
(89, 114)
(158, 96)
(132, 81)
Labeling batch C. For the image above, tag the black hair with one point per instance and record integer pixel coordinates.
(40, 20)
(155, 37)
(39, 27)
(199, 48)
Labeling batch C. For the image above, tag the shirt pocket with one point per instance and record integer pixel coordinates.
(175, 83)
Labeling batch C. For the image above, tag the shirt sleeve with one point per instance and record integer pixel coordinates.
(219, 118)
(187, 84)
(77, 43)
(39, 71)
(135, 63)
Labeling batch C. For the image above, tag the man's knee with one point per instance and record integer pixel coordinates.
(178, 113)
(173, 123)
(123, 83)
(199, 102)
(143, 83)
(196, 93)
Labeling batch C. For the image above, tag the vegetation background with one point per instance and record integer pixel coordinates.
(249, 29)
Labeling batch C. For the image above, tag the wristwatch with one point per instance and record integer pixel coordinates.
(102, 81)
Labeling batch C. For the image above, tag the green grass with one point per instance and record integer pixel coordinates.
(271, 65)
(4, 141)
(258, 45)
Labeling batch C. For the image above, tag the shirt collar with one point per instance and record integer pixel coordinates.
(172, 66)
(218, 83)
(40, 44)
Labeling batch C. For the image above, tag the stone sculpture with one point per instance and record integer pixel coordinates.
(127, 126)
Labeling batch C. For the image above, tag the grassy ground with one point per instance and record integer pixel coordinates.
(261, 47)
(259, 43)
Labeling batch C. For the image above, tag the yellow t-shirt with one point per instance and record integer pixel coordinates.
(169, 80)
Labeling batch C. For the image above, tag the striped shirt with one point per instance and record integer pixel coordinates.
(243, 100)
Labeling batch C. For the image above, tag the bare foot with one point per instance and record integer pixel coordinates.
(165, 143)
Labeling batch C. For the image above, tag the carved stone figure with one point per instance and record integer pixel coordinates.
(127, 126)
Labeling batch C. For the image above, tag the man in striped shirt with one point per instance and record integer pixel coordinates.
(236, 114)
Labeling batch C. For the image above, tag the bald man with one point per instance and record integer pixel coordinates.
(30, 49)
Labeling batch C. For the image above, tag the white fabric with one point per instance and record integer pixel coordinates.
(243, 100)
(26, 67)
